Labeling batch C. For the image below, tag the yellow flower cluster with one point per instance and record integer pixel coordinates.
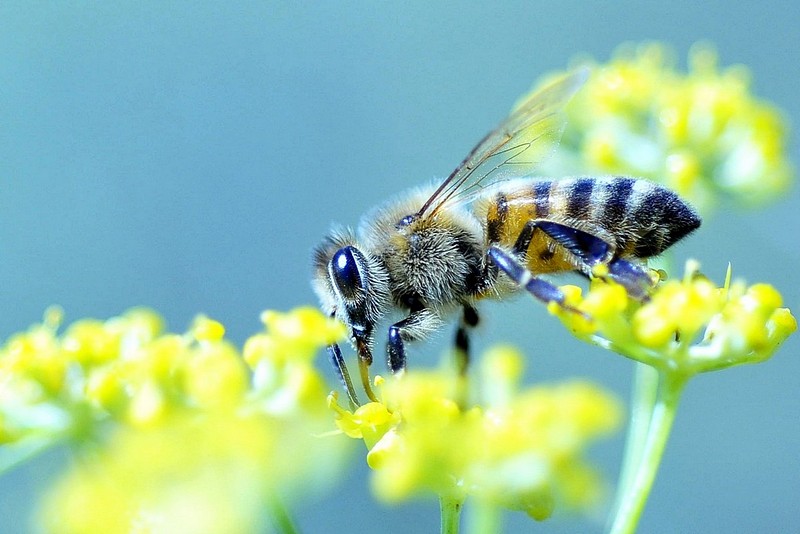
(700, 133)
(688, 326)
(521, 450)
(183, 431)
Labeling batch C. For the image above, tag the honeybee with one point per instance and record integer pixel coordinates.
(485, 232)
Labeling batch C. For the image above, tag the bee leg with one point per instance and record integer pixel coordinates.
(469, 320)
(364, 361)
(633, 277)
(519, 273)
(416, 326)
(590, 250)
(513, 265)
(335, 356)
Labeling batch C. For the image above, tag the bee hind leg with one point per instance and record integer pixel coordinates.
(585, 247)
(635, 278)
(590, 250)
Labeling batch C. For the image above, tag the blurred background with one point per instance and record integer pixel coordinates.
(188, 157)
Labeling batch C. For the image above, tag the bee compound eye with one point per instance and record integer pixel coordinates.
(345, 270)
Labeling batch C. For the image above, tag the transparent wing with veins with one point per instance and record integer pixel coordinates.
(527, 137)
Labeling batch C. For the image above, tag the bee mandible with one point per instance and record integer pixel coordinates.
(486, 232)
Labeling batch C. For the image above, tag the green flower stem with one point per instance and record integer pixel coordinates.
(280, 517)
(634, 495)
(451, 514)
(643, 399)
(484, 518)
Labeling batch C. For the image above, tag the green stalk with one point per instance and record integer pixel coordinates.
(451, 514)
(280, 516)
(634, 496)
(484, 518)
(643, 400)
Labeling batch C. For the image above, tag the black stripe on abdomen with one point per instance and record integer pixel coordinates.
(616, 202)
(494, 225)
(579, 198)
(541, 198)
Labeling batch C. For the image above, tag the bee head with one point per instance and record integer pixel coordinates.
(351, 285)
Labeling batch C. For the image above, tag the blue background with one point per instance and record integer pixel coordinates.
(188, 157)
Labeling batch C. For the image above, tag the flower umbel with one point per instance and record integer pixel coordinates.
(688, 326)
(701, 133)
(516, 449)
(175, 432)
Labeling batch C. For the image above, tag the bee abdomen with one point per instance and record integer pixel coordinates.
(638, 218)
(645, 218)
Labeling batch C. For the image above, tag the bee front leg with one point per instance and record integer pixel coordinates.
(339, 365)
(414, 327)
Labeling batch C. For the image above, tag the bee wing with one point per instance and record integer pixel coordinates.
(524, 139)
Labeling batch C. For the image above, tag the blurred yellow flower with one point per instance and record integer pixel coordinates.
(520, 450)
(172, 431)
(214, 473)
(700, 133)
(281, 360)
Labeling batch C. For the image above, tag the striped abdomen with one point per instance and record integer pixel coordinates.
(637, 218)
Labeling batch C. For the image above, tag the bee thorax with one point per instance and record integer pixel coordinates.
(434, 264)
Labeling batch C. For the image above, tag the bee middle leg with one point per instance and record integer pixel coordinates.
(417, 325)
(519, 273)
(513, 264)
(469, 320)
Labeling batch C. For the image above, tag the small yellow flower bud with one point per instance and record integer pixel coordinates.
(106, 389)
(783, 323)
(53, 317)
(89, 343)
(369, 422)
(205, 329)
(147, 406)
(764, 296)
(214, 376)
(501, 371)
